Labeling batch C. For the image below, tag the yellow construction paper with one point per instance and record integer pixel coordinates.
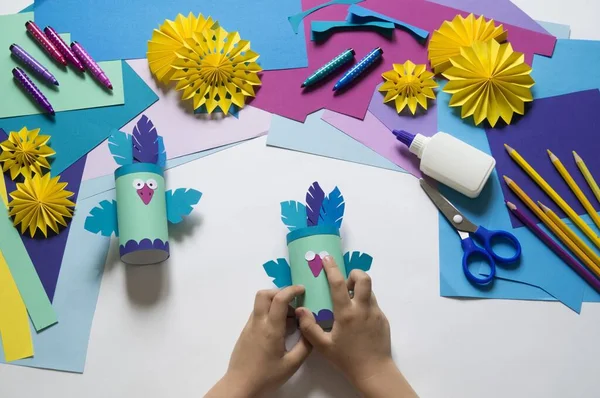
(41, 202)
(170, 38)
(460, 32)
(489, 81)
(408, 84)
(216, 69)
(25, 152)
(14, 322)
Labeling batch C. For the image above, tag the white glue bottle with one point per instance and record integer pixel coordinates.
(450, 161)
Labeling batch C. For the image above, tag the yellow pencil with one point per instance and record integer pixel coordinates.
(572, 235)
(552, 227)
(575, 188)
(553, 195)
(587, 175)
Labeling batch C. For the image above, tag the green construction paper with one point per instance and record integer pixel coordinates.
(23, 272)
(321, 30)
(138, 221)
(317, 296)
(76, 91)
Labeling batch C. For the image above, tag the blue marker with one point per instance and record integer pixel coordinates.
(358, 69)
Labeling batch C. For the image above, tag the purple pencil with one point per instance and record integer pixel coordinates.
(63, 47)
(555, 247)
(33, 64)
(90, 64)
(32, 89)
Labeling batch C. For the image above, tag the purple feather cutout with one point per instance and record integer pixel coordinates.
(145, 141)
(314, 201)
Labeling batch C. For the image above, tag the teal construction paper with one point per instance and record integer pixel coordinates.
(555, 29)
(555, 76)
(321, 30)
(102, 26)
(539, 266)
(75, 133)
(320, 138)
(296, 20)
(64, 346)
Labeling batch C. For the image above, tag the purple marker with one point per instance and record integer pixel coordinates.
(35, 66)
(63, 47)
(32, 89)
(90, 64)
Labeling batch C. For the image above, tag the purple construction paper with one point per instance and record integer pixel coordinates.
(371, 133)
(562, 124)
(47, 253)
(501, 10)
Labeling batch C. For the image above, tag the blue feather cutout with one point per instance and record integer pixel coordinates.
(314, 201)
(180, 202)
(145, 141)
(103, 219)
(357, 260)
(120, 146)
(280, 271)
(293, 214)
(162, 153)
(332, 210)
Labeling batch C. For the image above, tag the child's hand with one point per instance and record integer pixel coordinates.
(259, 361)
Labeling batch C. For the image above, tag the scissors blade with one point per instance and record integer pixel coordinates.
(452, 214)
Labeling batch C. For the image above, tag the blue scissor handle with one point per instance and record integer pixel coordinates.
(470, 250)
(487, 237)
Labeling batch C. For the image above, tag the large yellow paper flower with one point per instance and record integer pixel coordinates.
(408, 84)
(216, 69)
(461, 32)
(170, 38)
(489, 81)
(41, 202)
(25, 152)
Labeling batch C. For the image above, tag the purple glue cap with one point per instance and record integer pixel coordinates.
(404, 137)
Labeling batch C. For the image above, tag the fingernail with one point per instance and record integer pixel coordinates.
(328, 259)
(299, 312)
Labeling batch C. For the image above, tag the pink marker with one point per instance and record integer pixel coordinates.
(43, 41)
(63, 47)
(90, 64)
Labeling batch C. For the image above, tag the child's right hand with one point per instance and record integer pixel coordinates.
(359, 343)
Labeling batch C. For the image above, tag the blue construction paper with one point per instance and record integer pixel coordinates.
(555, 29)
(332, 210)
(538, 267)
(320, 138)
(98, 185)
(103, 219)
(293, 214)
(64, 346)
(120, 145)
(280, 271)
(75, 133)
(357, 260)
(180, 203)
(321, 30)
(121, 29)
(358, 14)
(556, 75)
(296, 20)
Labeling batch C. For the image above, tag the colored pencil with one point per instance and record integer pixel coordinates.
(583, 272)
(552, 227)
(575, 188)
(553, 195)
(587, 175)
(569, 232)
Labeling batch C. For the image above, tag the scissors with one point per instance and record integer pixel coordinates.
(464, 227)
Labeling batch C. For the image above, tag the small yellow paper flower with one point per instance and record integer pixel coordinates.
(170, 38)
(461, 32)
(25, 152)
(216, 69)
(408, 84)
(41, 202)
(489, 81)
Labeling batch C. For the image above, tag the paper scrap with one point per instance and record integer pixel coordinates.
(76, 133)
(280, 271)
(25, 152)
(14, 324)
(122, 32)
(76, 91)
(489, 81)
(408, 85)
(321, 30)
(358, 14)
(180, 203)
(447, 41)
(357, 260)
(555, 29)
(296, 20)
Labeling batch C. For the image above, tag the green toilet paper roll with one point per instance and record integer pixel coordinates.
(142, 214)
(306, 247)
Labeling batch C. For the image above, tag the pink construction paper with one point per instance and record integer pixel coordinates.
(281, 93)
(182, 131)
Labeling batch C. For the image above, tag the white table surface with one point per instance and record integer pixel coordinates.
(167, 330)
